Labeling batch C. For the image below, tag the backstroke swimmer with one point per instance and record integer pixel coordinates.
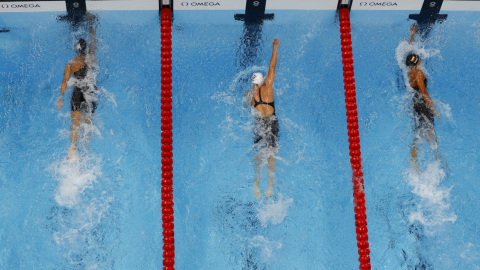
(423, 107)
(266, 130)
(81, 102)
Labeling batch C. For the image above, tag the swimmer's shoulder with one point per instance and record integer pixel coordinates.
(266, 90)
(75, 63)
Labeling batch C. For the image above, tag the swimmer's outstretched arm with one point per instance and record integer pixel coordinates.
(273, 63)
(413, 29)
(419, 78)
(66, 77)
(91, 19)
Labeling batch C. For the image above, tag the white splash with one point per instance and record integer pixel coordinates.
(300, 134)
(86, 217)
(267, 246)
(432, 207)
(224, 97)
(404, 48)
(444, 110)
(229, 97)
(273, 212)
(74, 176)
(110, 97)
(313, 31)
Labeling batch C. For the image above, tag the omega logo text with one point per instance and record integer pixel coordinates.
(378, 4)
(200, 4)
(20, 6)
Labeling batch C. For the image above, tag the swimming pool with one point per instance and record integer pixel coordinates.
(103, 211)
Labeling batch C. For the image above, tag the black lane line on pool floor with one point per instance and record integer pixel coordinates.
(255, 12)
(429, 15)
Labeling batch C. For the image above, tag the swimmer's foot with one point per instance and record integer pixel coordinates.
(257, 193)
(73, 153)
(257, 190)
(414, 165)
(443, 161)
(269, 189)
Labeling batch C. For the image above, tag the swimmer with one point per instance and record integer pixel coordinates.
(423, 107)
(266, 130)
(79, 68)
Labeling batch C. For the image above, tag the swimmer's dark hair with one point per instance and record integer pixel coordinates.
(412, 60)
(81, 46)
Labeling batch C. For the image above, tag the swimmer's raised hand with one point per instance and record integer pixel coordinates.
(413, 28)
(59, 104)
(276, 42)
(90, 17)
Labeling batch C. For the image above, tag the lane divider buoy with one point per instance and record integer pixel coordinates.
(167, 162)
(354, 141)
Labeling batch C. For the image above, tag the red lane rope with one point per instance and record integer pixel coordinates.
(167, 175)
(354, 140)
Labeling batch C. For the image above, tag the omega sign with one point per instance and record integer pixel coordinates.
(200, 4)
(378, 4)
(20, 6)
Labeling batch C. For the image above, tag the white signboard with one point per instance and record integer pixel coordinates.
(461, 5)
(241, 4)
(387, 5)
(413, 5)
(33, 6)
(212, 5)
(123, 5)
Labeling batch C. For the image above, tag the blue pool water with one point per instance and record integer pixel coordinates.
(103, 211)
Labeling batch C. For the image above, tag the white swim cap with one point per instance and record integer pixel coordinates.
(257, 78)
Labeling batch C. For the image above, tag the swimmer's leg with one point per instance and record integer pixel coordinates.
(271, 175)
(257, 162)
(87, 120)
(413, 151)
(76, 116)
(432, 140)
(89, 115)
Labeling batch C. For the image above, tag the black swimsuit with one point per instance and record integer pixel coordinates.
(78, 101)
(263, 102)
(266, 130)
(423, 111)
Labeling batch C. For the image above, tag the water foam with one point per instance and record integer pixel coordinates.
(229, 96)
(432, 205)
(74, 176)
(272, 211)
(266, 245)
(83, 203)
(444, 109)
